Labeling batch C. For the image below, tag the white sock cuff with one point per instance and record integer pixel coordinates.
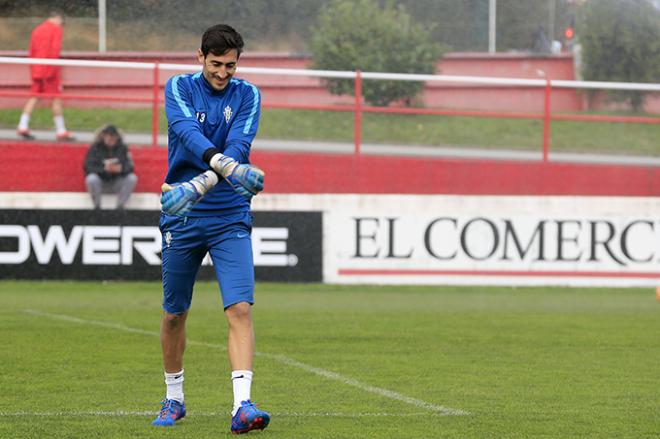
(241, 374)
(174, 377)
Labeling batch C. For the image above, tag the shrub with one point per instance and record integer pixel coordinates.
(621, 42)
(360, 35)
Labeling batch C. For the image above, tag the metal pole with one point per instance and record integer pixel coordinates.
(551, 19)
(492, 26)
(102, 27)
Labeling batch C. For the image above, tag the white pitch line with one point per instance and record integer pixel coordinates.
(124, 413)
(277, 357)
(366, 387)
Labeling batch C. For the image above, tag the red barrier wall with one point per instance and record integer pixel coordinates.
(58, 168)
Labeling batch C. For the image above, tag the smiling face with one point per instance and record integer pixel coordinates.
(218, 69)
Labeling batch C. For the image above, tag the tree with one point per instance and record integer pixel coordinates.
(360, 35)
(459, 25)
(621, 42)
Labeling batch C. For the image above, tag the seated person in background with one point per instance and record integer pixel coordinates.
(109, 167)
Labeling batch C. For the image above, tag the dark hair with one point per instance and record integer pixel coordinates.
(220, 39)
(107, 129)
(55, 13)
(110, 129)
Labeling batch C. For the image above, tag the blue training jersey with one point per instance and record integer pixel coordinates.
(199, 118)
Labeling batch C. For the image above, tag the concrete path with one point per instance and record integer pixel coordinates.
(448, 151)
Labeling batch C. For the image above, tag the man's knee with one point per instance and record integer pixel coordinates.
(93, 180)
(172, 321)
(239, 312)
(126, 183)
(131, 180)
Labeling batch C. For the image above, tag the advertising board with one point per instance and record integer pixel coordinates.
(109, 244)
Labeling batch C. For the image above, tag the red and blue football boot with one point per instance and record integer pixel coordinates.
(170, 412)
(248, 418)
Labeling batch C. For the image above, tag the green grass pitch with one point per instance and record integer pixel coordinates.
(82, 360)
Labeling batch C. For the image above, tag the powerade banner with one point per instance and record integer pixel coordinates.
(113, 245)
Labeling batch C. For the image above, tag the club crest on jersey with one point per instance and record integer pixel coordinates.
(227, 113)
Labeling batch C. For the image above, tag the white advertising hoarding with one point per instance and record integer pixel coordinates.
(508, 240)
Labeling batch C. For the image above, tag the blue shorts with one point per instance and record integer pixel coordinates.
(185, 243)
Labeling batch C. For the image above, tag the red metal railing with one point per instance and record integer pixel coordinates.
(546, 120)
(155, 106)
(357, 128)
(357, 108)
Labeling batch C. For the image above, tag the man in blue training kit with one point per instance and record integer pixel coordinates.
(212, 120)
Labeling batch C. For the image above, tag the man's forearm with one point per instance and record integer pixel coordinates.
(246, 179)
(220, 163)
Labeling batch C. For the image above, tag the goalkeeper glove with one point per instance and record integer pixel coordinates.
(178, 199)
(247, 180)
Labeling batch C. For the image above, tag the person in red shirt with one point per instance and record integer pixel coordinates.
(45, 42)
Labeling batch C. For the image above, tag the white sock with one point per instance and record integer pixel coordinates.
(242, 381)
(174, 382)
(24, 124)
(59, 124)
